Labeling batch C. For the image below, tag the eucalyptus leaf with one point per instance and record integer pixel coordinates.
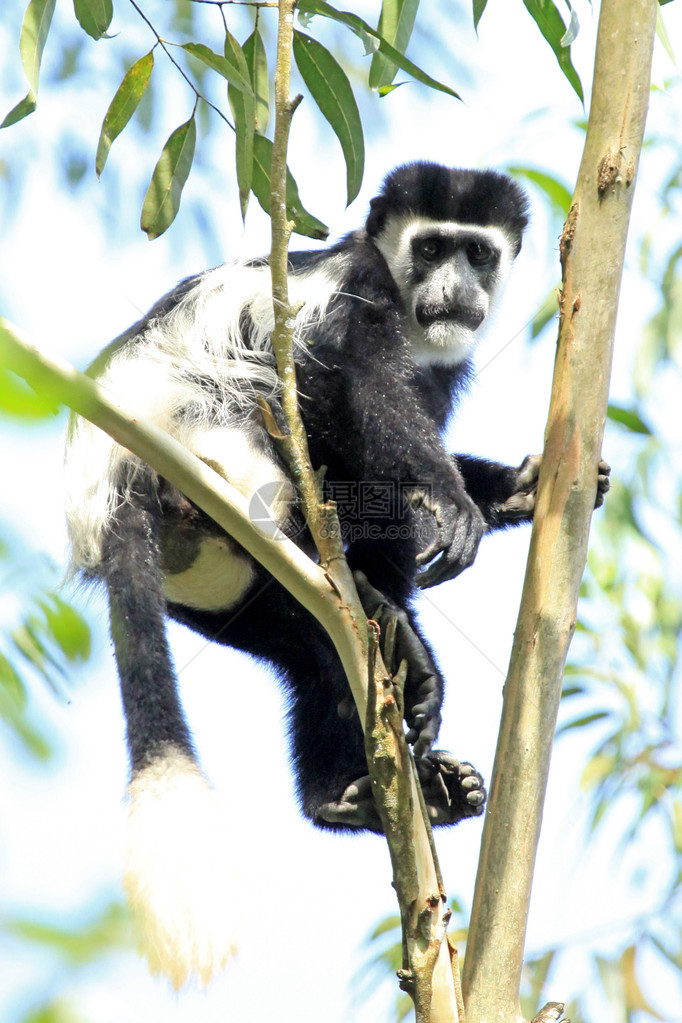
(257, 61)
(123, 106)
(67, 628)
(571, 33)
(94, 16)
(162, 201)
(479, 7)
(364, 32)
(546, 312)
(34, 31)
(629, 418)
(243, 106)
(222, 65)
(396, 22)
(546, 16)
(333, 94)
(304, 222)
(19, 400)
(557, 193)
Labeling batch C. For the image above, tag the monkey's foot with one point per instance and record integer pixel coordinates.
(452, 791)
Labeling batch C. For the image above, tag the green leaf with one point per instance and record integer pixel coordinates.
(123, 106)
(333, 94)
(546, 16)
(629, 418)
(571, 33)
(582, 722)
(111, 929)
(12, 683)
(34, 31)
(18, 399)
(662, 34)
(396, 22)
(68, 629)
(162, 201)
(544, 314)
(479, 7)
(257, 61)
(243, 107)
(557, 193)
(23, 108)
(373, 41)
(94, 16)
(304, 222)
(222, 65)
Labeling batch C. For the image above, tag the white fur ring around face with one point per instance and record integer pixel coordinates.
(177, 877)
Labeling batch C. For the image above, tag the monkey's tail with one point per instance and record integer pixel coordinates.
(178, 847)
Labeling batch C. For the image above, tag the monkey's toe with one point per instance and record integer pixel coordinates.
(452, 790)
(354, 809)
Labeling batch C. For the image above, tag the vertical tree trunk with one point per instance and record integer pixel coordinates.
(592, 253)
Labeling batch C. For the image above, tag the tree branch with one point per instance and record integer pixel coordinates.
(592, 253)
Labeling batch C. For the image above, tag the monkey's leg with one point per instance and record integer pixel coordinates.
(178, 845)
(155, 723)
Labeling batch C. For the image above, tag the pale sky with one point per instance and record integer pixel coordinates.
(310, 898)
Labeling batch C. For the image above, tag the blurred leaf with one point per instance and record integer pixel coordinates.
(27, 639)
(373, 41)
(535, 972)
(634, 996)
(662, 33)
(53, 1012)
(18, 399)
(34, 31)
(12, 711)
(628, 418)
(12, 683)
(304, 222)
(557, 193)
(68, 628)
(333, 94)
(582, 722)
(243, 105)
(162, 201)
(546, 312)
(385, 926)
(109, 931)
(257, 61)
(396, 22)
(123, 106)
(549, 21)
(94, 16)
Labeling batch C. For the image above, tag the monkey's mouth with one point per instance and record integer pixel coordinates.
(462, 315)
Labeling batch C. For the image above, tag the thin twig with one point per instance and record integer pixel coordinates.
(164, 46)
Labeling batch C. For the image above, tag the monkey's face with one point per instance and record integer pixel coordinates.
(448, 275)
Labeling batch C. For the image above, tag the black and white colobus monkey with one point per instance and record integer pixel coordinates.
(388, 320)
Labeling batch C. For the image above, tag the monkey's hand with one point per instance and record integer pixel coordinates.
(423, 687)
(521, 504)
(460, 527)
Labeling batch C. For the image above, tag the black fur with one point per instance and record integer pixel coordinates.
(373, 417)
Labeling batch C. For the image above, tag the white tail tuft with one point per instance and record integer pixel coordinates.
(177, 876)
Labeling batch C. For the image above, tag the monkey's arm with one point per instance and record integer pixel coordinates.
(505, 495)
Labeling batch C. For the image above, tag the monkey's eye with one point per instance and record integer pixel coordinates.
(480, 254)
(429, 249)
